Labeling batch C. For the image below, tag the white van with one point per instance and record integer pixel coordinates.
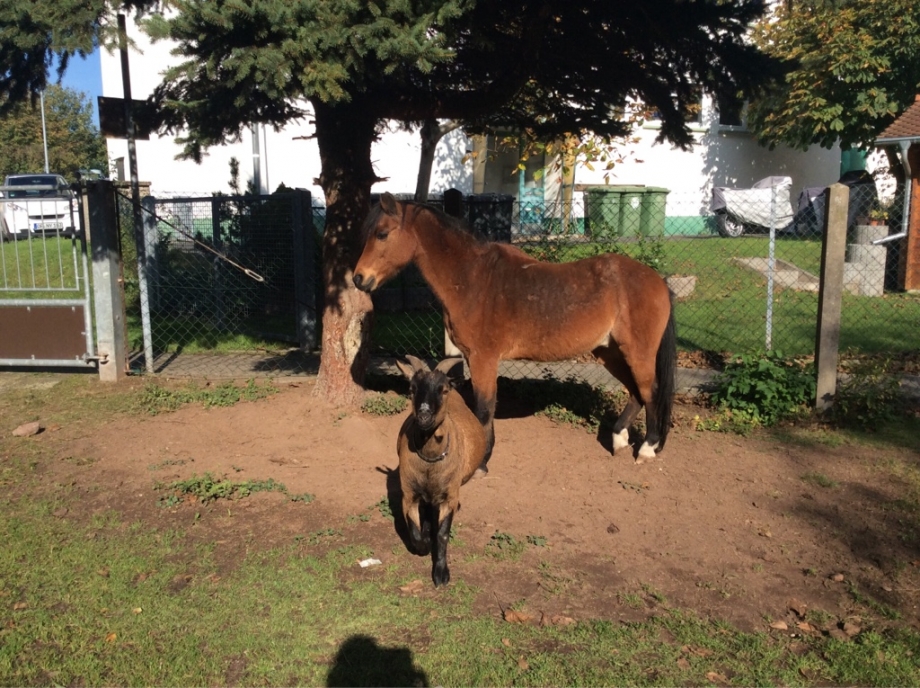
(37, 205)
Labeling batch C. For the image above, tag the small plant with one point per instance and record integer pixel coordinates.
(869, 397)
(384, 404)
(383, 506)
(536, 540)
(767, 387)
(504, 546)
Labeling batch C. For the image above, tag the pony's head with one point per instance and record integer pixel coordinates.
(389, 245)
(428, 389)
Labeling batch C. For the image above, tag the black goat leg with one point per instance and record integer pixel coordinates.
(440, 574)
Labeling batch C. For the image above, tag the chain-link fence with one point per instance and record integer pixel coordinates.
(231, 284)
(743, 266)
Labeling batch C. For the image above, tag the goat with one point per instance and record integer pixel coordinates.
(440, 446)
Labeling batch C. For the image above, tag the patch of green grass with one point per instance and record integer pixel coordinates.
(388, 404)
(156, 399)
(819, 480)
(383, 506)
(100, 604)
(505, 546)
(207, 488)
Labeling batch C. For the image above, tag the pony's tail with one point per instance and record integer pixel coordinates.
(665, 366)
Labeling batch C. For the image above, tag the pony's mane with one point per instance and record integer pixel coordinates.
(449, 222)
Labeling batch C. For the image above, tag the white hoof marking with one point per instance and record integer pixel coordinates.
(620, 439)
(646, 451)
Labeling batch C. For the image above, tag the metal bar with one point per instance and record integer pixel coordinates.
(55, 362)
(42, 302)
(771, 268)
(892, 237)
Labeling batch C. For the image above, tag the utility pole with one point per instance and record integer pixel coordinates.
(41, 98)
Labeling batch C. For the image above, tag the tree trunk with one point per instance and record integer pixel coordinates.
(344, 134)
(431, 134)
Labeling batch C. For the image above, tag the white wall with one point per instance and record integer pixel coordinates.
(288, 156)
(721, 156)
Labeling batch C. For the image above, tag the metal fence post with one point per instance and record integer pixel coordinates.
(304, 269)
(108, 282)
(830, 294)
(216, 266)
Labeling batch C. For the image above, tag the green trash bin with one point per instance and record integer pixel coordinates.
(654, 202)
(632, 201)
(602, 212)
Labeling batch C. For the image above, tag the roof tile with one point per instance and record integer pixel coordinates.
(906, 126)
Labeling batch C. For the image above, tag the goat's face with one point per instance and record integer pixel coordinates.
(428, 391)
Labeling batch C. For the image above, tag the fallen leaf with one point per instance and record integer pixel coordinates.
(838, 634)
(104, 572)
(560, 620)
(806, 627)
(412, 587)
(60, 513)
(683, 663)
(780, 625)
(512, 616)
(506, 642)
(716, 677)
(797, 606)
(110, 638)
(522, 664)
(613, 529)
(20, 605)
(851, 629)
(27, 429)
(137, 610)
(837, 578)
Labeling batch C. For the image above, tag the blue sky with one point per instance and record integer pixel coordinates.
(84, 75)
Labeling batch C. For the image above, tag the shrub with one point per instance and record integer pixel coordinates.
(766, 386)
(869, 397)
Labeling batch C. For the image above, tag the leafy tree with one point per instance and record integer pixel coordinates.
(552, 67)
(73, 140)
(854, 67)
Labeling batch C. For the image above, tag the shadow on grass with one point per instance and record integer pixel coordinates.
(360, 661)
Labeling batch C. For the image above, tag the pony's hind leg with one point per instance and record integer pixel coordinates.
(639, 380)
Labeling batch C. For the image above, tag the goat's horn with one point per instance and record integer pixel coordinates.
(417, 363)
(448, 364)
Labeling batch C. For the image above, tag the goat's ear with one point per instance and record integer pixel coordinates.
(448, 364)
(388, 203)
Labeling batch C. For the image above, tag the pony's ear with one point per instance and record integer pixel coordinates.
(448, 364)
(388, 203)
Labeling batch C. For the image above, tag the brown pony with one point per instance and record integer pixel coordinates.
(499, 303)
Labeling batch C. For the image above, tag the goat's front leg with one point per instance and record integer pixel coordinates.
(440, 574)
(419, 527)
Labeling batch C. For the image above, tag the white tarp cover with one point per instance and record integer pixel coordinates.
(769, 197)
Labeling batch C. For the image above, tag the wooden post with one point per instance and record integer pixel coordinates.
(108, 283)
(909, 266)
(830, 294)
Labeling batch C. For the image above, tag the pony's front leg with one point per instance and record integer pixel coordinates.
(440, 574)
(484, 376)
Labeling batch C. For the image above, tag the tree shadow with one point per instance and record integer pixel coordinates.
(360, 661)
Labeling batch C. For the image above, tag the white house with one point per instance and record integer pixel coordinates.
(724, 155)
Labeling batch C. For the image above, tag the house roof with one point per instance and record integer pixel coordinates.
(904, 128)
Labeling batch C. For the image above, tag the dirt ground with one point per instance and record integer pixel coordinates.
(730, 527)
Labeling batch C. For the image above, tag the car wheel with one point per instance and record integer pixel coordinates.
(728, 226)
